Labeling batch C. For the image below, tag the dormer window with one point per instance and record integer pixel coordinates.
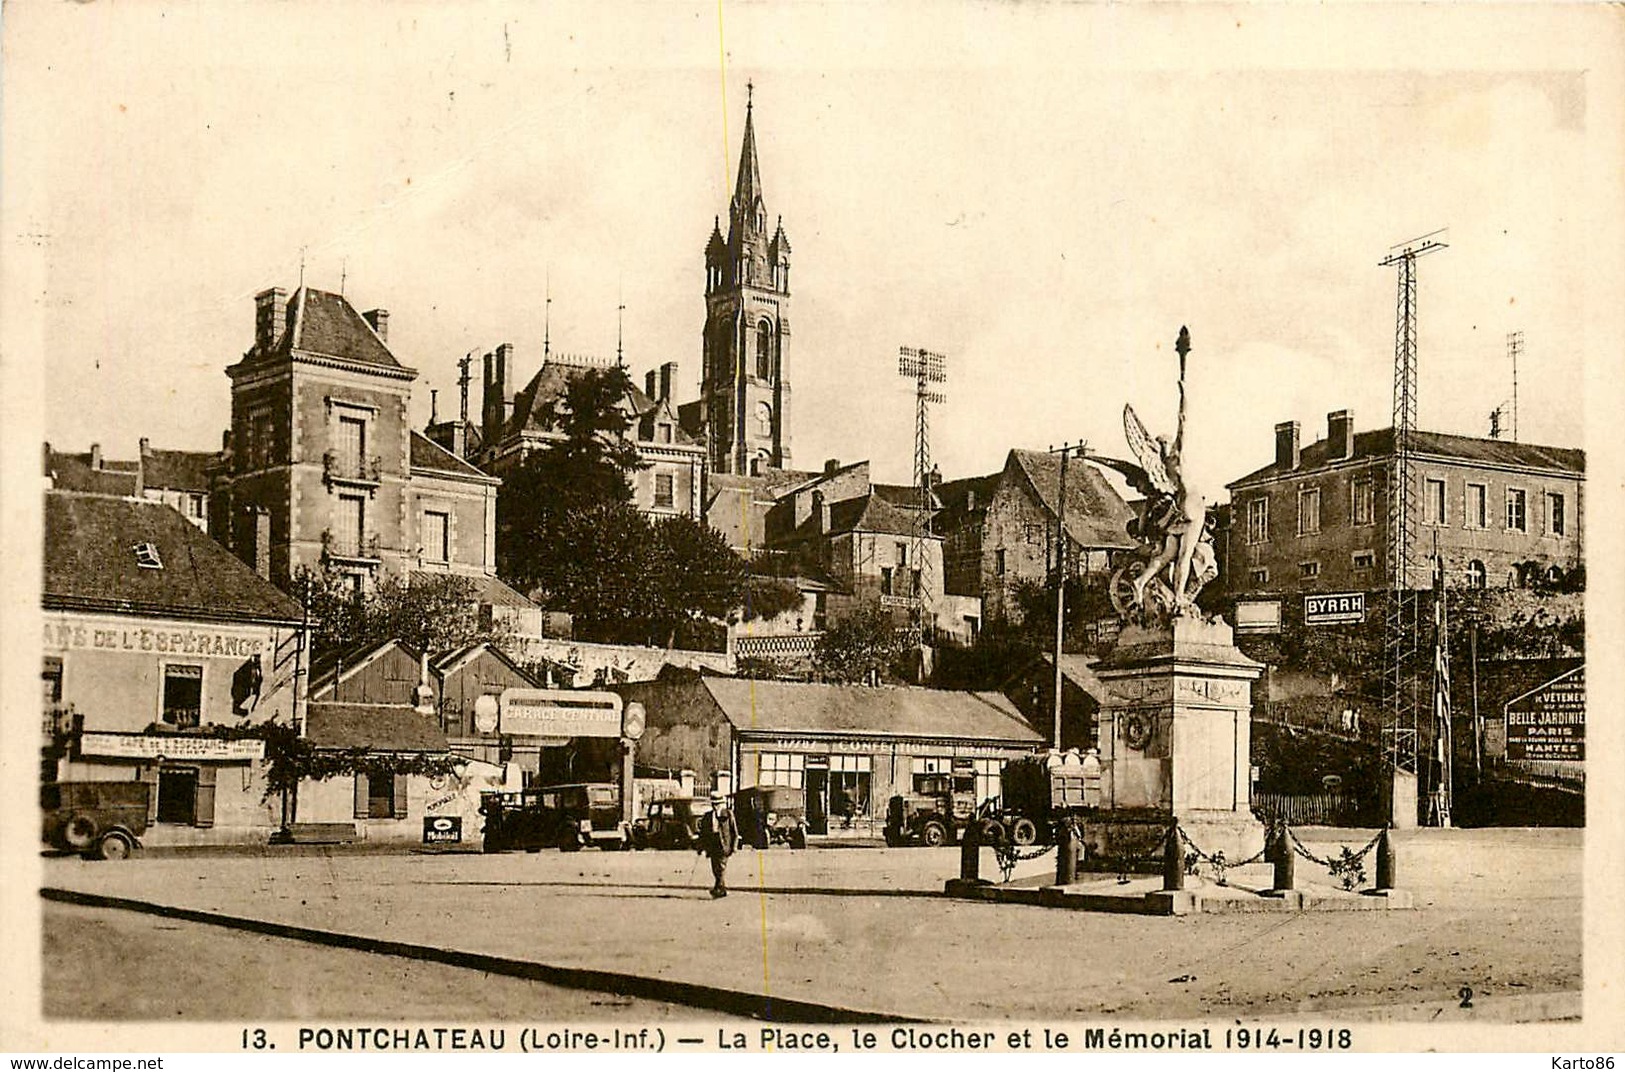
(146, 556)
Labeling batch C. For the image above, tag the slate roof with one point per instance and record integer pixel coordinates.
(73, 472)
(551, 382)
(427, 454)
(182, 470)
(869, 513)
(376, 727)
(90, 564)
(1096, 516)
(487, 589)
(1379, 443)
(323, 323)
(956, 496)
(795, 707)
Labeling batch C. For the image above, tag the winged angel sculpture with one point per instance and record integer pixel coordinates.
(1175, 558)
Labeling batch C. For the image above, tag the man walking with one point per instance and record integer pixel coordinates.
(718, 835)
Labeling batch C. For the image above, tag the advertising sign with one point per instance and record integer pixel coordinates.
(1258, 616)
(442, 829)
(151, 746)
(1549, 722)
(559, 713)
(1334, 608)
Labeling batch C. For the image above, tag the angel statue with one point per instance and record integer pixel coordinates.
(1175, 529)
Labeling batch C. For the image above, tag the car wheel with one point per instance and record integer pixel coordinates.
(1024, 831)
(114, 845)
(933, 834)
(79, 832)
(991, 832)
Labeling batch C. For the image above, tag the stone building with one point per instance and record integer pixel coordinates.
(322, 467)
(999, 531)
(517, 421)
(1316, 518)
(177, 478)
(154, 635)
(743, 412)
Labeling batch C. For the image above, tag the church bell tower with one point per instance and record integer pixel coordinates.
(746, 383)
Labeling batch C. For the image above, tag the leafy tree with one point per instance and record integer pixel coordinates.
(432, 613)
(862, 643)
(694, 576)
(598, 569)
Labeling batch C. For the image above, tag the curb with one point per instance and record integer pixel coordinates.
(694, 995)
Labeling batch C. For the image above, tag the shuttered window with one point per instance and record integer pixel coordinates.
(383, 797)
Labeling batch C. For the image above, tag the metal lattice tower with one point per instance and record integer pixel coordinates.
(1401, 623)
(925, 368)
(1514, 351)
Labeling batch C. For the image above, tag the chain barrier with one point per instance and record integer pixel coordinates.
(1124, 864)
(1008, 856)
(1217, 860)
(1348, 868)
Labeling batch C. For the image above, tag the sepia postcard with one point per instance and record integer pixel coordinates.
(1091, 548)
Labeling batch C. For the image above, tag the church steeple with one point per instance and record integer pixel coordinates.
(746, 377)
(748, 212)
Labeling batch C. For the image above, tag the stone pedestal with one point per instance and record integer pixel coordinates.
(1175, 736)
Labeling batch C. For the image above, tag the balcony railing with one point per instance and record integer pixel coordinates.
(337, 469)
(350, 549)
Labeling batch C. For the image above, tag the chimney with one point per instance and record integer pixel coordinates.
(1286, 445)
(649, 385)
(270, 317)
(379, 319)
(1340, 435)
(821, 509)
(95, 455)
(933, 479)
(506, 383)
(830, 465)
(490, 405)
(668, 373)
(262, 543)
(459, 438)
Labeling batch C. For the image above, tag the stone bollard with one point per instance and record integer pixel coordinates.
(970, 856)
(1173, 861)
(1284, 863)
(1066, 854)
(1385, 861)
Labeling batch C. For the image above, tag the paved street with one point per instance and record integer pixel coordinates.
(862, 929)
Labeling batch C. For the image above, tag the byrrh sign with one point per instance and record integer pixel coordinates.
(1334, 608)
(1549, 722)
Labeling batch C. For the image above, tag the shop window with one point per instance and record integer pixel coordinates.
(1556, 522)
(780, 768)
(183, 694)
(186, 795)
(380, 796)
(1258, 521)
(1363, 508)
(849, 784)
(665, 490)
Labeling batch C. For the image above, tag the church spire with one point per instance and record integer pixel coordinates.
(747, 202)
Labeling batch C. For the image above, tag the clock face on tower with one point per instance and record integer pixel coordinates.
(764, 419)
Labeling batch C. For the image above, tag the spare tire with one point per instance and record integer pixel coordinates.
(80, 831)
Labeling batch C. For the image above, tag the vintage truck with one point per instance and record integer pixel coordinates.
(98, 820)
(1038, 790)
(567, 817)
(936, 813)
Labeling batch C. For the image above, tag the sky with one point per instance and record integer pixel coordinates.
(1044, 193)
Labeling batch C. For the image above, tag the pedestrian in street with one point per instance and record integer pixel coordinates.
(718, 835)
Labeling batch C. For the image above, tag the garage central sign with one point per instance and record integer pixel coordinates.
(1334, 608)
(559, 713)
(1550, 722)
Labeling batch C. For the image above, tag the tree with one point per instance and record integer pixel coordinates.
(433, 613)
(695, 577)
(861, 644)
(769, 597)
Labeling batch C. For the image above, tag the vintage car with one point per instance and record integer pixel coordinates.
(98, 820)
(564, 816)
(772, 814)
(672, 823)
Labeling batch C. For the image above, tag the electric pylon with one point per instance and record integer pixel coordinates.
(1402, 626)
(925, 368)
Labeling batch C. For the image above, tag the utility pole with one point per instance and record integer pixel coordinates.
(1514, 351)
(1065, 451)
(1400, 732)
